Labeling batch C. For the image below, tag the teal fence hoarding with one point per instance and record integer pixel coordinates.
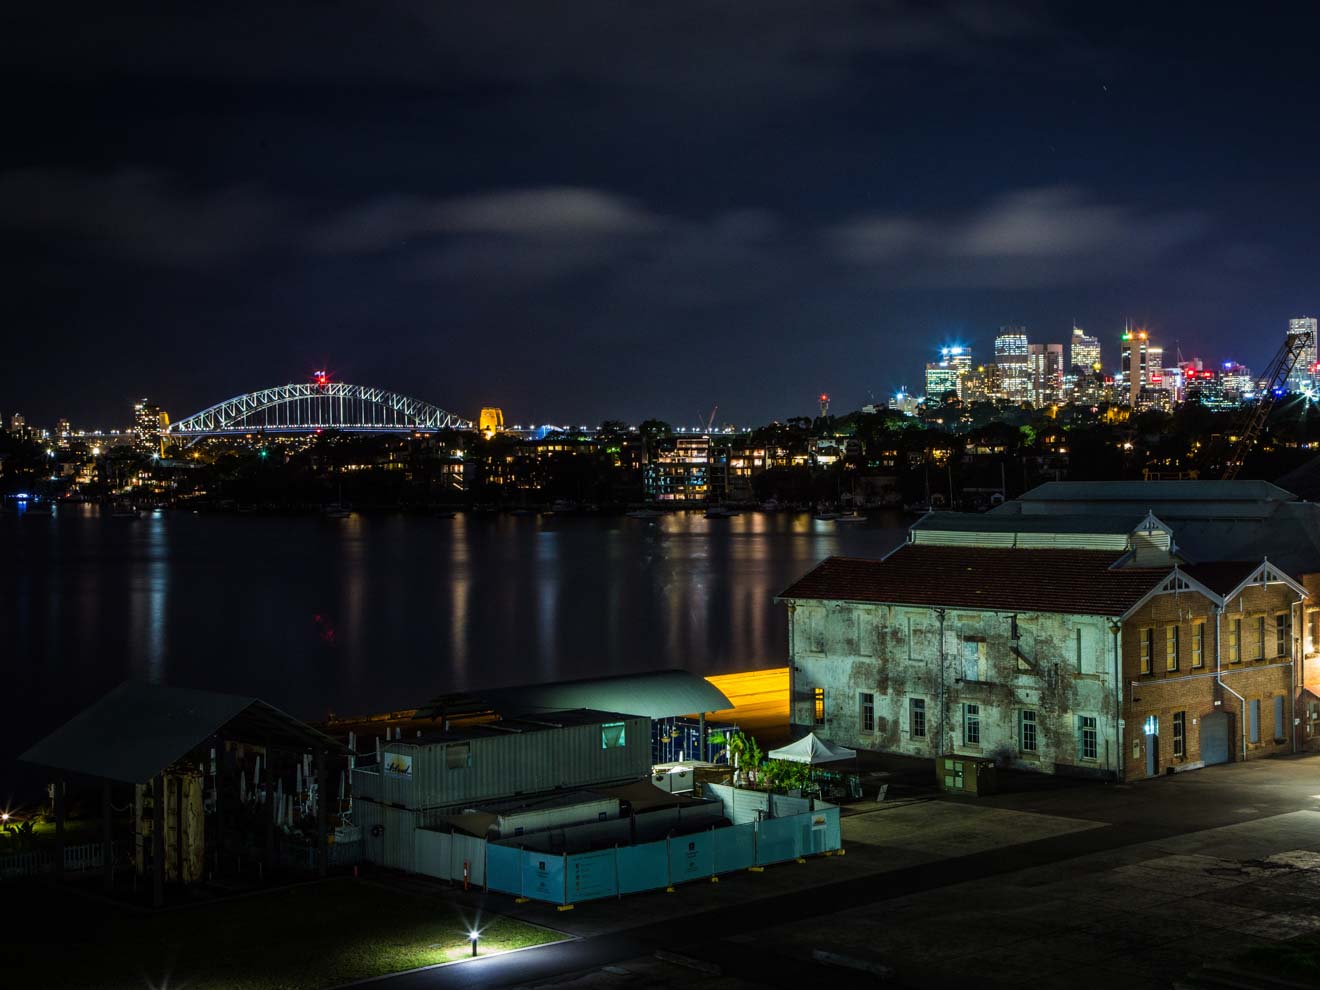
(504, 869)
(561, 879)
(543, 876)
(691, 857)
(592, 876)
(735, 848)
(644, 867)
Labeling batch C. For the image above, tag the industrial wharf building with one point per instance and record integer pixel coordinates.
(1073, 631)
(422, 780)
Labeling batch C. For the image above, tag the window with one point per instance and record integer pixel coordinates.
(909, 637)
(1170, 647)
(1087, 741)
(1079, 649)
(1313, 617)
(612, 735)
(917, 718)
(1281, 634)
(816, 631)
(458, 756)
(1198, 644)
(818, 705)
(1235, 641)
(848, 626)
(974, 659)
(972, 725)
(1147, 649)
(865, 635)
(867, 701)
(1253, 720)
(1278, 718)
(1260, 638)
(1027, 733)
(1179, 733)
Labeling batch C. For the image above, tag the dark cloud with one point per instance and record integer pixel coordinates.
(684, 45)
(140, 214)
(1027, 238)
(551, 214)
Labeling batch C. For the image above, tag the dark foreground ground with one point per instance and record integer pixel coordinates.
(1058, 884)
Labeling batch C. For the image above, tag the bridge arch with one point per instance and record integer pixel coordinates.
(307, 408)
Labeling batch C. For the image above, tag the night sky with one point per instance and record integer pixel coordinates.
(604, 209)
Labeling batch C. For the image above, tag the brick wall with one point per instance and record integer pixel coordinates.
(1159, 694)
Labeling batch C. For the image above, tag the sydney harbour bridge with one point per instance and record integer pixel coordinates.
(319, 405)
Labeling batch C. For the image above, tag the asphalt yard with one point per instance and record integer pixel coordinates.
(1064, 885)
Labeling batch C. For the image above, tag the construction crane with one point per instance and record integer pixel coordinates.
(1254, 416)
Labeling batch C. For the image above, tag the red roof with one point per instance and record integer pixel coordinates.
(1076, 582)
(1221, 576)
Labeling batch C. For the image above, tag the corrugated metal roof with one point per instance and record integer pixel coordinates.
(502, 728)
(978, 522)
(1151, 492)
(138, 730)
(1073, 582)
(654, 694)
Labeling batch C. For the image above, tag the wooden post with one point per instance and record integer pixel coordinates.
(178, 827)
(60, 808)
(218, 833)
(158, 841)
(107, 836)
(269, 784)
(323, 851)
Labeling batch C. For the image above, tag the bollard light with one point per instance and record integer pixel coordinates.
(472, 937)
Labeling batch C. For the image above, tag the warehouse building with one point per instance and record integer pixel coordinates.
(419, 781)
(1078, 644)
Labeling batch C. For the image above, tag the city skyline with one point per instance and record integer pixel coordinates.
(962, 353)
(620, 211)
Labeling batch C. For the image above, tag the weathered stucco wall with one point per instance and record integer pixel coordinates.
(1059, 667)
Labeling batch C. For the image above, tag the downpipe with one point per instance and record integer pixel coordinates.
(1219, 667)
(1120, 743)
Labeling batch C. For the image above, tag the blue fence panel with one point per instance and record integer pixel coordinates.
(591, 875)
(504, 866)
(735, 847)
(691, 857)
(543, 876)
(777, 840)
(833, 838)
(644, 867)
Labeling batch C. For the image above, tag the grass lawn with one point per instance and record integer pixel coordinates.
(1296, 959)
(76, 832)
(317, 935)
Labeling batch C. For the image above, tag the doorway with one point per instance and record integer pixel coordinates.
(1152, 728)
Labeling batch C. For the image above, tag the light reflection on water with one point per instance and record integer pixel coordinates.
(374, 612)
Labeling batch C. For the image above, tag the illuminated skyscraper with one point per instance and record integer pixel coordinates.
(947, 375)
(1085, 351)
(1011, 357)
(1046, 364)
(1134, 367)
(941, 378)
(1303, 374)
(149, 422)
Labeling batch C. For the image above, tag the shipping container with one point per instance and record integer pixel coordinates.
(560, 750)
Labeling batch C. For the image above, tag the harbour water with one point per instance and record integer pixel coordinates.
(375, 612)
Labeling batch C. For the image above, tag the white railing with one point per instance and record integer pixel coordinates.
(77, 859)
